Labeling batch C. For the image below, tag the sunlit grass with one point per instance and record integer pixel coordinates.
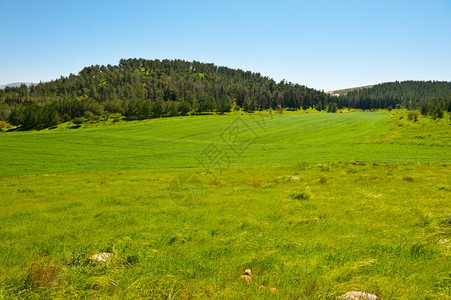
(315, 204)
(364, 228)
(176, 142)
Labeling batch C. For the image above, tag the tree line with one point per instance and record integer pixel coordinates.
(430, 97)
(141, 89)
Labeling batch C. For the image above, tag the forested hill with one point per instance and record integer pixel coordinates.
(139, 88)
(409, 94)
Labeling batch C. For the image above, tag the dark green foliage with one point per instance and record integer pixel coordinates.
(139, 88)
(436, 107)
(5, 111)
(332, 107)
(17, 116)
(65, 118)
(88, 115)
(50, 116)
(77, 121)
(300, 196)
(408, 94)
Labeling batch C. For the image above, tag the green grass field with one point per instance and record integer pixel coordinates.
(275, 194)
(261, 140)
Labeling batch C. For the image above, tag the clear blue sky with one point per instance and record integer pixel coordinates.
(322, 44)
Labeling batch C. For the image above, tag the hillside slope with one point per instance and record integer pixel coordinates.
(139, 88)
(410, 94)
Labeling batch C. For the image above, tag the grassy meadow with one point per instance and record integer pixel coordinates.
(185, 205)
(259, 139)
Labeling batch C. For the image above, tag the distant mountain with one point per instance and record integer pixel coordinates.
(16, 84)
(342, 92)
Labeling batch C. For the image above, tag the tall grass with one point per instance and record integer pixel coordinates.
(301, 239)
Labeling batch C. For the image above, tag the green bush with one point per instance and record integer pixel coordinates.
(413, 115)
(300, 196)
(78, 121)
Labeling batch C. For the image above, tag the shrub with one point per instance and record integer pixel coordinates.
(78, 121)
(3, 124)
(66, 118)
(413, 115)
(88, 115)
(322, 180)
(116, 117)
(300, 196)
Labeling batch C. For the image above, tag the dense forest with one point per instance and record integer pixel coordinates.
(431, 97)
(140, 89)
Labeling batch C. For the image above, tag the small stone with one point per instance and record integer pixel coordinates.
(358, 295)
(102, 257)
(261, 287)
(247, 275)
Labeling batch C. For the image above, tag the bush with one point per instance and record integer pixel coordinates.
(413, 115)
(300, 196)
(322, 180)
(78, 121)
(3, 124)
(66, 118)
(116, 117)
(88, 115)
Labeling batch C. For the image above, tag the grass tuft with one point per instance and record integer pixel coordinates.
(300, 196)
(43, 273)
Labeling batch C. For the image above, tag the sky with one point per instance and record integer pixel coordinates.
(322, 44)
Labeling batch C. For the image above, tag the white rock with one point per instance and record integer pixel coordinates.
(102, 257)
(357, 295)
(247, 274)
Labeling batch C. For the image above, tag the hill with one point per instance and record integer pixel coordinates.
(342, 92)
(139, 88)
(15, 85)
(142, 89)
(424, 95)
